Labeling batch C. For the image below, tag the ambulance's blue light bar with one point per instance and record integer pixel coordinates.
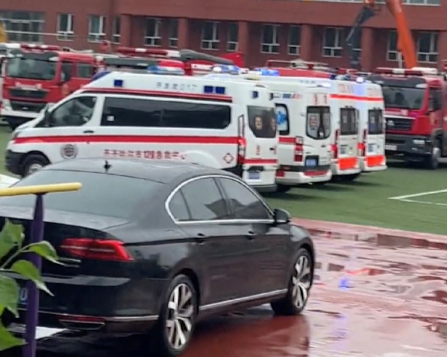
(214, 90)
(118, 83)
(229, 69)
(166, 70)
(267, 71)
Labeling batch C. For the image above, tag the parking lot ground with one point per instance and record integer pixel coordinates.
(392, 303)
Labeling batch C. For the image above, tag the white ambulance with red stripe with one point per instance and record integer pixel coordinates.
(223, 124)
(304, 124)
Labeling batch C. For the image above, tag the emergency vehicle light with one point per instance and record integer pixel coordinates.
(33, 46)
(255, 94)
(214, 90)
(118, 83)
(166, 70)
(267, 71)
(360, 80)
(226, 69)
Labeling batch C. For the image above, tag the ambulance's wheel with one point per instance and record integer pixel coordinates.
(283, 188)
(432, 161)
(33, 163)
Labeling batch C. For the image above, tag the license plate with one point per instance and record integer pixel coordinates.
(371, 147)
(391, 147)
(254, 175)
(23, 296)
(311, 162)
(324, 161)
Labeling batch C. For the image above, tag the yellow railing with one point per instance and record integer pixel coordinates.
(40, 189)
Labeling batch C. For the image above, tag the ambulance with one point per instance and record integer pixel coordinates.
(372, 127)
(221, 124)
(304, 123)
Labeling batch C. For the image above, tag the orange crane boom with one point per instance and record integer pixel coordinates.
(405, 43)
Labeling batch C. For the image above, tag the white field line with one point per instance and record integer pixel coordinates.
(404, 197)
(425, 202)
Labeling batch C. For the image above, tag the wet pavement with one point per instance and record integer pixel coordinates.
(374, 296)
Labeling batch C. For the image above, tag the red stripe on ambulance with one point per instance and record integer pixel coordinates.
(127, 139)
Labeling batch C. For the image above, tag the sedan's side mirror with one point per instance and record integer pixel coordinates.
(281, 216)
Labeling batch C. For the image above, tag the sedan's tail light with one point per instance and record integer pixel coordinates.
(97, 249)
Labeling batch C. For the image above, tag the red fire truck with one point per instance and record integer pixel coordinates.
(34, 76)
(415, 113)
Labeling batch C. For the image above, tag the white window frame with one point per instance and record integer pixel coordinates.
(67, 33)
(392, 54)
(335, 50)
(273, 46)
(210, 44)
(100, 35)
(173, 33)
(28, 26)
(293, 49)
(116, 30)
(433, 55)
(152, 39)
(232, 44)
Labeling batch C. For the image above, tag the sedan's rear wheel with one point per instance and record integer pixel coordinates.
(299, 287)
(177, 317)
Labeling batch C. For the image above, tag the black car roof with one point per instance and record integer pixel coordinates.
(160, 171)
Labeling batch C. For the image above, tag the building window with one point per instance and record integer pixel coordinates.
(270, 39)
(65, 27)
(116, 34)
(293, 46)
(96, 28)
(332, 40)
(210, 35)
(392, 53)
(428, 47)
(357, 43)
(173, 33)
(233, 37)
(422, 2)
(152, 35)
(23, 26)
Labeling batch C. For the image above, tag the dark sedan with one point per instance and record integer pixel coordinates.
(153, 247)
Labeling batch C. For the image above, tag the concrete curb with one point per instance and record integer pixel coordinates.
(379, 236)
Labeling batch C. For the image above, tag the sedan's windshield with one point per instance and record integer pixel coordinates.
(31, 68)
(403, 98)
(101, 194)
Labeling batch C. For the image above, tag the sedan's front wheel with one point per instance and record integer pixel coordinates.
(299, 287)
(177, 318)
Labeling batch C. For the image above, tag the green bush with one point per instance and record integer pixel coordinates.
(11, 246)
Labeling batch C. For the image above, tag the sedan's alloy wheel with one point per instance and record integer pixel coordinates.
(301, 281)
(180, 315)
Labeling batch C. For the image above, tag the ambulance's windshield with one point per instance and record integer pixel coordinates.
(262, 121)
(31, 68)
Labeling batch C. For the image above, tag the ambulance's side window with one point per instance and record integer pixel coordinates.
(172, 114)
(74, 112)
(282, 118)
(348, 121)
(131, 112)
(262, 121)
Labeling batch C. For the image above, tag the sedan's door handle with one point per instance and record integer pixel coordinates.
(89, 131)
(250, 235)
(200, 238)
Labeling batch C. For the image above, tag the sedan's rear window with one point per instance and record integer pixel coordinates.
(101, 194)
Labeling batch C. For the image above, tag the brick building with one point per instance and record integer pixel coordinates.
(261, 29)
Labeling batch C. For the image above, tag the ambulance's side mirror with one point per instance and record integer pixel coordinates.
(47, 116)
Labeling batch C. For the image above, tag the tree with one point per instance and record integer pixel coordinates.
(11, 249)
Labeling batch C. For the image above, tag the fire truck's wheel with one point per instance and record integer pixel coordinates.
(432, 161)
(283, 188)
(33, 163)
